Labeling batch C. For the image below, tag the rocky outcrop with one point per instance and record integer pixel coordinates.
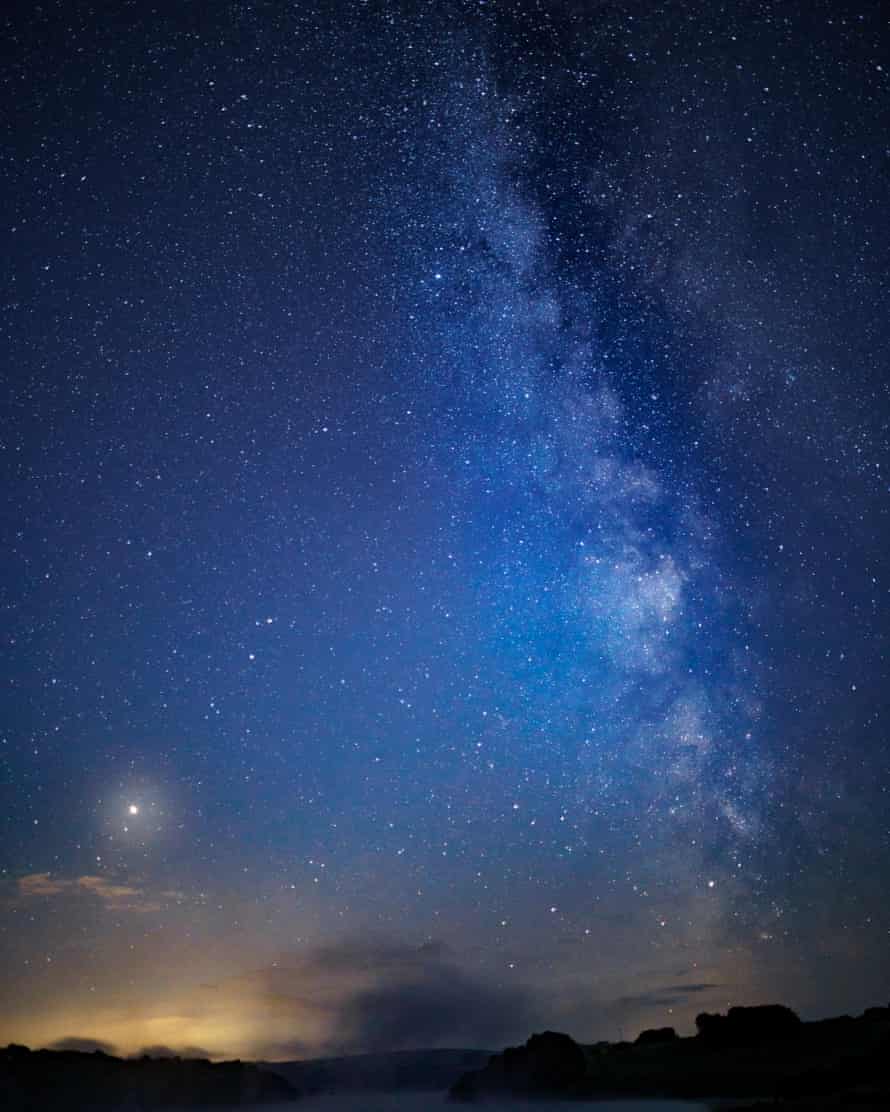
(549, 1064)
(759, 1052)
(656, 1036)
(749, 1026)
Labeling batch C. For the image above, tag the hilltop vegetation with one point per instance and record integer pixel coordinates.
(764, 1052)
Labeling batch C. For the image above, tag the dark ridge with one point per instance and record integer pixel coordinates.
(397, 1071)
(74, 1081)
(761, 1052)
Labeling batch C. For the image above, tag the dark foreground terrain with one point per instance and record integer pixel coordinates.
(765, 1053)
(400, 1071)
(70, 1081)
(763, 1057)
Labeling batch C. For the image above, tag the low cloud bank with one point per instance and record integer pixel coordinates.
(375, 996)
(84, 1045)
(425, 999)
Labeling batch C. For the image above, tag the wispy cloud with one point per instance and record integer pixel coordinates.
(667, 996)
(41, 884)
(114, 896)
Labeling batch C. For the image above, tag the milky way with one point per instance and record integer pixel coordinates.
(446, 520)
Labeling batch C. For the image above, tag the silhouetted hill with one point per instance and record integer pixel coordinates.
(414, 1070)
(764, 1052)
(73, 1081)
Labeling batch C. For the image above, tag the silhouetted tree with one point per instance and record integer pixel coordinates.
(747, 1026)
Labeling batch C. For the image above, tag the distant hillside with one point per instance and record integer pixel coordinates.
(73, 1081)
(400, 1070)
(762, 1052)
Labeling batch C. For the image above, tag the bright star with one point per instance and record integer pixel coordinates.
(133, 809)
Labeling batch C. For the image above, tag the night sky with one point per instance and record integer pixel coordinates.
(446, 550)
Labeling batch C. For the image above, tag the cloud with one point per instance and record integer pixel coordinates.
(427, 1000)
(41, 884)
(668, 996)
(359, 955)
(162, 1051)
(701, 987)
(365, 996)
(85, 1045)
(115, 897)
